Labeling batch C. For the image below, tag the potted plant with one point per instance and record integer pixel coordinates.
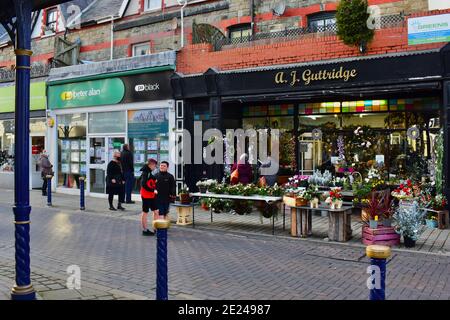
(404, 192)
(374, 209)
(431, 219)
(185, 198)
(387, 210)
(409, 222)
(204, 202)
(334, 198)
(201, 186)
(313, 196)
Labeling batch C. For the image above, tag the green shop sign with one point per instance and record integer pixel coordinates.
(37, 97)
(85, 94)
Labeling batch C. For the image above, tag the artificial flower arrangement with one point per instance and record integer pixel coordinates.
(334, 198)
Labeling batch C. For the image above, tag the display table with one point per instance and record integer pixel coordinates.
(236, 197)
(339, 222)
(184, 212)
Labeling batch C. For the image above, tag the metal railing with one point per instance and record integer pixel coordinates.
(388, 21)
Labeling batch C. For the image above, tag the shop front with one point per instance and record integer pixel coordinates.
(95, 118)
(38, 131)
(385, 110)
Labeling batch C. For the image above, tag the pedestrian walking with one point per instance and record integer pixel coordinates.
(166, 187)
(115, 182)
(46, 170)
(148, 195)
(128, 171)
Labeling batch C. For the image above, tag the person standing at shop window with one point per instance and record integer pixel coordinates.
(166, 187)
(148, 195)
(128, 171)
(46, 170)
(115, 182)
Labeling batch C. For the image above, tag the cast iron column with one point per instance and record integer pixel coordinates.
(23, 290)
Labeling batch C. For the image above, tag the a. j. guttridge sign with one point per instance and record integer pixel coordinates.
(308, 76)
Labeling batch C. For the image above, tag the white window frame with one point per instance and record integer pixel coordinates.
(135, 47)
(147, 7)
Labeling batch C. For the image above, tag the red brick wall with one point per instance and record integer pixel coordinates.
(198, 58)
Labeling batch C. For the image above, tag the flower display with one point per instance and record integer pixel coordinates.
(206, 183)
(409, 220)
(334, 195)
(404, 191)
(320, 179)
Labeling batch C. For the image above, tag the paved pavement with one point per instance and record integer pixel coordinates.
(203, 264)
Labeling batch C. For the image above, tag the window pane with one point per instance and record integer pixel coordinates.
(107, 122)
(152, 4)
(141, 50)
(71, 149)
(373, 120)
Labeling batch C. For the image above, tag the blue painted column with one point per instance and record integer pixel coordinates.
(82, 207)
(161, 227)
(49, 190)
(377, 281)
(23, 289)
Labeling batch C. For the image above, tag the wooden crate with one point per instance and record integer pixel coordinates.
(301, 223)
(443, 219)
(294, 202)
(381, 236)
(340, 225)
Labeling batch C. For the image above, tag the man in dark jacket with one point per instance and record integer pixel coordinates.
(128, 171)
(165, 185)
(148, 195)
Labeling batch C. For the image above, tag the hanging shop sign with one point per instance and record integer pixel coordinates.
(37, 97)
(127, 89)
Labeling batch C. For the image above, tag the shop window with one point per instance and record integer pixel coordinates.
(107, 122)
(141, 49)
(240, 32)
(7, 145)
(365, 106)
(72, 151)
(319, 107)
(152, 5)
(51, 21)
(373, 120)
(321, 22)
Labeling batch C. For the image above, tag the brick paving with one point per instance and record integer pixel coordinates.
(203, 263)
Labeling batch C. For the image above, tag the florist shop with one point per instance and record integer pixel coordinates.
(96, 115)
(38, 130)
(342, 116)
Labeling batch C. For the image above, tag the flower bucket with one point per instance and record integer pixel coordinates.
(373, 224)
(185, 198)
(408, 242)
(202, 189)
(431, 223)
(314, 203)
(336, 204)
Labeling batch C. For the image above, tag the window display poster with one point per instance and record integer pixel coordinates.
(139, 144)
(139, 158)
(75, 168)
(65, 168)
(64, 156)
(152, 145)
(83, 157)
(164, 145)
(83, 144)
(65, 144)
(379, 158)
(152, 156)
(75, 157)
(83, 169)
(148, 123)
(75, 145)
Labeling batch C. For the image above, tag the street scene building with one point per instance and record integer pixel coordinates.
(327, 120)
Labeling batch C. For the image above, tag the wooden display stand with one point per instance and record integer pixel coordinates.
(443, 219)
(301, 222)
(340, 225)
(385, 236)
(183, 215)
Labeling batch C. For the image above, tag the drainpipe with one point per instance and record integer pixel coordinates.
(112, 37)
(252, 15)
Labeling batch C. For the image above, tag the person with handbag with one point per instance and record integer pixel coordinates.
(115, 182)
(241, 172)
(46, 170)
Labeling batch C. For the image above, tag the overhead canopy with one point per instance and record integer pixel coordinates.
(7, 7)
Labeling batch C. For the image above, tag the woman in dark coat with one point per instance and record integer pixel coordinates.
(115, 182)
(244, 170)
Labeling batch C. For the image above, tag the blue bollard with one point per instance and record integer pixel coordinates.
(82, 207)
(49, 190)
(377, 281)
(161, 227)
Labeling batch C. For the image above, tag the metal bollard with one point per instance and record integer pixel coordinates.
(49, 190)
(161, 227)
(377, 281)
(82, 207)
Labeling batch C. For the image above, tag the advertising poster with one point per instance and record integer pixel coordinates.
(147, 123)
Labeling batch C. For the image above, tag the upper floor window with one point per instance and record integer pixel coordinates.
(323, 21)
(51, 20)
(141, 49)
(240, 32)
(151, 5)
